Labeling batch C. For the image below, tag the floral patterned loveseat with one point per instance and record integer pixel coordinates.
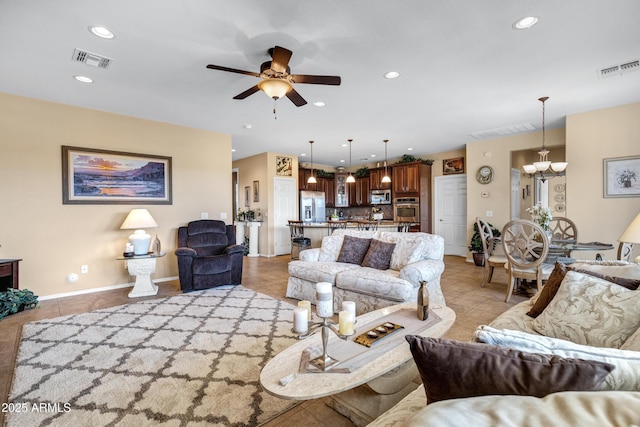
(415, 257)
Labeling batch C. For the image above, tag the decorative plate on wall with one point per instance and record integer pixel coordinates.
(559, 188)
(484, 174)
(560, 208)
(559, 197)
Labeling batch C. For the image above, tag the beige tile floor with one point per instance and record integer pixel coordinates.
(473, 305)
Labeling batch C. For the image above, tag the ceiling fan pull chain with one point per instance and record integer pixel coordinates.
(275, 115)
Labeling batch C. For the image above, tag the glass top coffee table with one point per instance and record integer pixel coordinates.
(282, 376)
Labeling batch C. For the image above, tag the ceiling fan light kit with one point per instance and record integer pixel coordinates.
(277, 81)
(544, 169)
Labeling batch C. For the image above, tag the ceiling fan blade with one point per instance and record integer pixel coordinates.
(247, 92)
(296, 98)
(280, 61)
(232, 70)
(316, 80)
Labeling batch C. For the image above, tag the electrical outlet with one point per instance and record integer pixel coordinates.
(84, 269)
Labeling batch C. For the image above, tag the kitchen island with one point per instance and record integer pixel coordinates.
(317, 230)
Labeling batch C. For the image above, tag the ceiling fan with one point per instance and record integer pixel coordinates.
(276, 78)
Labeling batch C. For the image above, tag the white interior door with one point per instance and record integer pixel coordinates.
(285, 207)
(451, 213)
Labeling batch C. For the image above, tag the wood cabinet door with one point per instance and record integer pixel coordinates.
(375, 179)
(406, 180)
(341, 190)
(328, 186)
(412, 177)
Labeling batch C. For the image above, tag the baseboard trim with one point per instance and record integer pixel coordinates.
(101, 289)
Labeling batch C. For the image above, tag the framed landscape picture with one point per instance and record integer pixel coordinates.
(91, 176)
(453, 166)
(622, 177)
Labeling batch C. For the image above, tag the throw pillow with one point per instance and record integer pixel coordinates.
(409, 248)
(628, 283)
(549, 290)
(453, 369)
(590, 311)
(353, 250)
(626, 376)
(378, 255)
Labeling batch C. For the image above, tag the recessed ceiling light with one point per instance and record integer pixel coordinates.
(233, 150)
(248, 126)
(372, 155)
(392, 75)
(303, 154)
(101, 32)
(83, 79)
(319, 104)
(410, 149)
(524, 23)
(342, 161)
(344, 145)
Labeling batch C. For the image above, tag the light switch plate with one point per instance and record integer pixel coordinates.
(489, 214)
(204, 215)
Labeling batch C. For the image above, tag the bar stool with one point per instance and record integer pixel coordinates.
(298, 240)
(337, 225)
(367, 225)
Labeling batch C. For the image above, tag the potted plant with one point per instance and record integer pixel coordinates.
(15, 300)
(475, 245)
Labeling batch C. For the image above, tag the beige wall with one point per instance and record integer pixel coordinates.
(497, 154)
(55, 239)
(262, 168)
(591, 138)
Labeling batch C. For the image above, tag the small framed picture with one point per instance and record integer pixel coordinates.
(247, 189)
(453, 166)
(622, 177)
(256, 191)
(284, 166)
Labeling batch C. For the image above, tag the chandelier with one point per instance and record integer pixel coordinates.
(544, 169)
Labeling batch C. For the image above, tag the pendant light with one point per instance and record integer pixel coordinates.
(537, 169)
(350, 178)
(385, 178)
(312, 179)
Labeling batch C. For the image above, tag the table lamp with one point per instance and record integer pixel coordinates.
(139, 219)
(632, 233)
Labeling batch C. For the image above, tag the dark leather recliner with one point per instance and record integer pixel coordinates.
(208, 255)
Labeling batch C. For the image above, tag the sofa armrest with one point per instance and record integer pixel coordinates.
(310, 254)
(186, 252)
(426, 270)
(234, 249)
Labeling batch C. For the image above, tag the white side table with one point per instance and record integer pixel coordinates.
(142, 267)
(253, 238)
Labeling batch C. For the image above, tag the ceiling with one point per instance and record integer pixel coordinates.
(464, 69)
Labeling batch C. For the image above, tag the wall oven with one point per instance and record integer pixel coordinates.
(406, 209)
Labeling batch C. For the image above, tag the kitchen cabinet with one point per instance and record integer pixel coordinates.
(327, 185)
(375, 179)
(341, 190)
(359, 192)
(406, 179)
(303, 176)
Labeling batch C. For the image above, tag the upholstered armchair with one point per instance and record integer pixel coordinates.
(208, 255)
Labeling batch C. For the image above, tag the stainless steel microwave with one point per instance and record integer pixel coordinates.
(380, 197)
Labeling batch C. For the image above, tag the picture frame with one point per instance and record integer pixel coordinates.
(95, 176)
(256, 191)
(621, 176)
(246, 196)
(452, 166)
(284, 166)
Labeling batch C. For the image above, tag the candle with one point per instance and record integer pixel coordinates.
(345, 323)
(300, 322)
(306, 305)
(349, 306)
(324, 297)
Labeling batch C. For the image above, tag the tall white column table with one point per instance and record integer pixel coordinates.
(239, 232)
(142, 267)
(253, 238)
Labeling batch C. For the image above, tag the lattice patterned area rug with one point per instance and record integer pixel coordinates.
(192, 359)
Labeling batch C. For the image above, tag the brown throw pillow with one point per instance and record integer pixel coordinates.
(379, 255)
(628, 283)
(549, 290)
(453, 369)
(353, 250)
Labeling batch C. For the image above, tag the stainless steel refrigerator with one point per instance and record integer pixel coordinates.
(312, 206)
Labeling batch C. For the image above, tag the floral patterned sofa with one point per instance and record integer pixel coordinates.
(400, 262)
(587, 312)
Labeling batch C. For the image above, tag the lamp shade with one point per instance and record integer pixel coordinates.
(632, 233)
(275, 88)
(139, 219)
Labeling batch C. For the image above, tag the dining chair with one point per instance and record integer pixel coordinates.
(337, 225)
(624, 251)
(367, 225)
(403, 227)
(526, 246)
(563, 230)
(298, 241)
(488, 246)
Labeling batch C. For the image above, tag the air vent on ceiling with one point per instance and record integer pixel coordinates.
(503, 131)
(92, 59)
(618, 70)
